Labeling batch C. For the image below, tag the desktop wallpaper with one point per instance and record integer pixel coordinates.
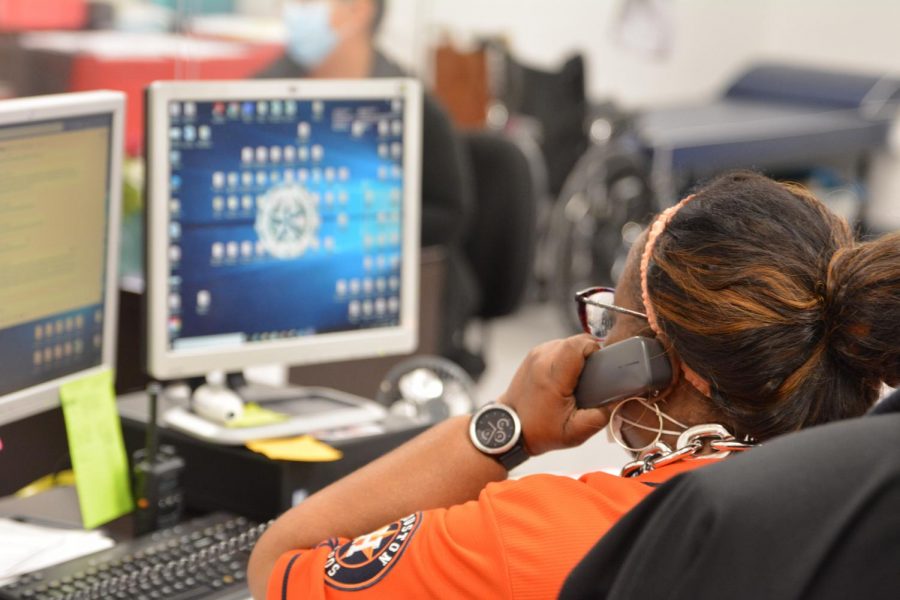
(285, 218)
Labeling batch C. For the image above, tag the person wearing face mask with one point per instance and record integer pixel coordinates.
(773, 318)
(336, 39)
(333, 39)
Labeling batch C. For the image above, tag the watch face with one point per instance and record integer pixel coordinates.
(496, 430)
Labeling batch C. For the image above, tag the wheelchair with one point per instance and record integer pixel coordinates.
(606, 202)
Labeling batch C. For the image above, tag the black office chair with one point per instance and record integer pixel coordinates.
(815, 514)
(501, 237)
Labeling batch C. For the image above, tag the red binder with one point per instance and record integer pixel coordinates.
(132, 76)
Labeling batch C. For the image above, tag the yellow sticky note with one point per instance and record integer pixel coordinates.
(255, 416)
(97, 449)
(299, 449)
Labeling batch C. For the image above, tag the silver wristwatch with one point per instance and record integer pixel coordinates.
(497, 431)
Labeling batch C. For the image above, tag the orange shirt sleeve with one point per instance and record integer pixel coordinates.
(520, 539)
(445, 553)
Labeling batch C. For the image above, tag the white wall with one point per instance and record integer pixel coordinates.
(842, 34)
(847, 34)
(403, 33)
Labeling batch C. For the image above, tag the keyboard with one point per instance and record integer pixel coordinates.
(202, 558)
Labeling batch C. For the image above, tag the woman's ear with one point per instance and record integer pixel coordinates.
(675, 362)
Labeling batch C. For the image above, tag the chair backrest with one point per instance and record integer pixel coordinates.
(501, 237)
(815, 514)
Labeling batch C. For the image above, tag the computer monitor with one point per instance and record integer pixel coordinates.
(283, 223)
(60, 197)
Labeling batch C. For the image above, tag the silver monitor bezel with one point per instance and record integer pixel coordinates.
(42, 397)
(167, 364)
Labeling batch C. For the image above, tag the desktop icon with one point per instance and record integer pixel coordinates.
(204, 299)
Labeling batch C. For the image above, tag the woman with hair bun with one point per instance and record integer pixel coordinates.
(773, 318)
(778, 318)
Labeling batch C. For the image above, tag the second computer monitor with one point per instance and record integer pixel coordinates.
(60, 185)
(283, 222)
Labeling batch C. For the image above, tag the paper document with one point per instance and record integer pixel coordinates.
(28, 547)
(299, 449)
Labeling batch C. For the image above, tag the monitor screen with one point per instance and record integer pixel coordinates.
(59, 207)
(284, 223)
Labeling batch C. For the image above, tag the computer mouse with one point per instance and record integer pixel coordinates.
(217, 403)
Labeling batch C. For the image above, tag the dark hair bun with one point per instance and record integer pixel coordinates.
(863, 308)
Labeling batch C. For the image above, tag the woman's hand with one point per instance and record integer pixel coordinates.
(541, 392)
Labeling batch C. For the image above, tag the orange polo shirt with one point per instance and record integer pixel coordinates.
(520, 539)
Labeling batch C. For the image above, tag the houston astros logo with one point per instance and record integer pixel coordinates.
(363, 562)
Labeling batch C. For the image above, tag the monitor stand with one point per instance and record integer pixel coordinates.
(308, 410)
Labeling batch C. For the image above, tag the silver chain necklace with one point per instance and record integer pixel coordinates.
(690, 444)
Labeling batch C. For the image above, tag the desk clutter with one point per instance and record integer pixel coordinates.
(207, 556)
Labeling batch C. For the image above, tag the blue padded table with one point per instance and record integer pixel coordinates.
(771, 118)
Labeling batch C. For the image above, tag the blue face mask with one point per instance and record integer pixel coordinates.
(310, 37)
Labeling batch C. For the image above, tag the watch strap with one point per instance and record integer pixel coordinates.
(513, 457)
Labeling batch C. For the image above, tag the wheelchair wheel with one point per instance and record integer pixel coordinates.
(604, 207)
